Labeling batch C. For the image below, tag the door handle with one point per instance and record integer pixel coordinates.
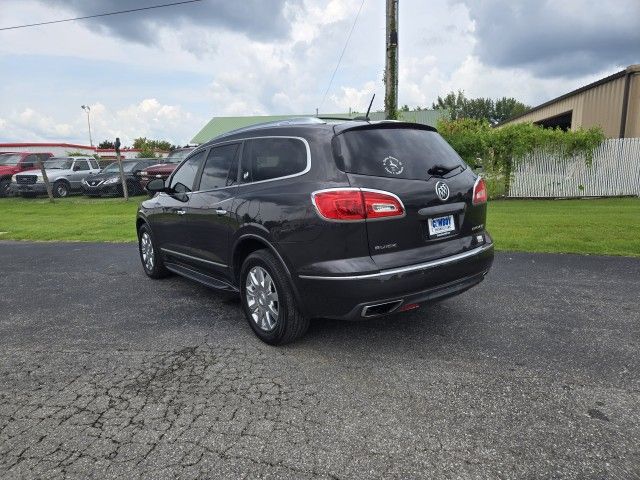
(180, 212)
(221, 211)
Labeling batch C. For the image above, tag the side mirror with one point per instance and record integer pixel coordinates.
(76, 168)
(156, 185)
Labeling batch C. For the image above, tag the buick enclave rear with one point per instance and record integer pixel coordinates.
(311, 219)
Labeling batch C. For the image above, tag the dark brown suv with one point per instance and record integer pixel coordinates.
(312, 219)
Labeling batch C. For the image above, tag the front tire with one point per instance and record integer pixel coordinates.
(5, 187)
(152, 262)
(268, 301)
(61, 189)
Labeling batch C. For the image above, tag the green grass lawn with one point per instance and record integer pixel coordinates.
(599, 227)
(75, 218)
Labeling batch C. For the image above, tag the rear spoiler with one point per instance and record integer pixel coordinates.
(384, 124)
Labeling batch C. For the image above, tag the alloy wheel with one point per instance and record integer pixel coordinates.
(262, 298)
(146, 250)
(61, 190)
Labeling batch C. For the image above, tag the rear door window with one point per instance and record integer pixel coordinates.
(218, 171)
(395, 153)
(270, 158)
(81, 165)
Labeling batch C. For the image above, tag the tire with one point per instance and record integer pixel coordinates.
(61, 189)
(289, 324)
(133, 188)
(154, 268)
(5, 187)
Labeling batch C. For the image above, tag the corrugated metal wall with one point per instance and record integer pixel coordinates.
(615, 171)
(599, 105)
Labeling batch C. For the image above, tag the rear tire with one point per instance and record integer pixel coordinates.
(152, 262)
(61, 189)
(268, 301)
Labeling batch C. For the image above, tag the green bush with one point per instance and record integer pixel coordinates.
(498, 150)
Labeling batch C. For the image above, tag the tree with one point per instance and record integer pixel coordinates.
(454, 102)
(150, 146)
(494, 112)
(106, 144)
(506, 108)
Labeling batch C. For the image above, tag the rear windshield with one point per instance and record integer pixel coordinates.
(176, 156)
(396, 153)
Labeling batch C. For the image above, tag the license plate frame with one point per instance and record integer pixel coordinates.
(438, 227)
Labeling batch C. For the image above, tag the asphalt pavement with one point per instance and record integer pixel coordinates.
(105, 373)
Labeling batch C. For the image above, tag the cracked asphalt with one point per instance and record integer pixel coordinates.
(107, 374)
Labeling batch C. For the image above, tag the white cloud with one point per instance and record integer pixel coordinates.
(148, 118)
(169, 88)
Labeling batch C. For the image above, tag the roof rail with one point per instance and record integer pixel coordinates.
(276, 123)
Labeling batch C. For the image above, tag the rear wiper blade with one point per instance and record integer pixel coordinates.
(439, 170)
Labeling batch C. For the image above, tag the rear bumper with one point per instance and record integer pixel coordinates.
(346, 297)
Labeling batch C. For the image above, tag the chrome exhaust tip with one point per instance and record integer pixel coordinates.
(380, 308)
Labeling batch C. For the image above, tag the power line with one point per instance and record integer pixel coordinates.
(101, 15)
(341, 55)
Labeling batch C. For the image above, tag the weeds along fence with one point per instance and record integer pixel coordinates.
(614, 171)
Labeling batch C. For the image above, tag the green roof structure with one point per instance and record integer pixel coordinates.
(219, 125)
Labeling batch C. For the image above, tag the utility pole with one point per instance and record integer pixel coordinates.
(45, 179)
(391, 64)
(123, 181)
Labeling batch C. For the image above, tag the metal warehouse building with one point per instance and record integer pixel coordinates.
(613, 103)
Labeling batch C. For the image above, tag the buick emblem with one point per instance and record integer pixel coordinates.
(442, 190)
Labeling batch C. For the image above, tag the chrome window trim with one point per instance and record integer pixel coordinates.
(411, 268)
(184, 255)
(241, 140)
(293, 175)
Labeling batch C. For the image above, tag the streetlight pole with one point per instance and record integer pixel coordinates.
(87, 109)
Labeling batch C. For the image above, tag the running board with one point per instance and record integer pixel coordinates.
(199, 277)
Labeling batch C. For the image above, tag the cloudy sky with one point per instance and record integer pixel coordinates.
(164, 73)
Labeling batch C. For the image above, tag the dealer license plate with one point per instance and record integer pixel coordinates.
(439, 226)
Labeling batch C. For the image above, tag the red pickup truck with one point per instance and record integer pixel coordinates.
(163, 170)
(12, 163)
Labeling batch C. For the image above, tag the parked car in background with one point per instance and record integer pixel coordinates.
(12, 163)
(308, 219)
(163, 170)
(108, 182)
(65, 175)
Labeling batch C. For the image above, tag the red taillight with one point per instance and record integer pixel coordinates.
(356, 204)
(340, 204)
(381, 205)
(479, 192)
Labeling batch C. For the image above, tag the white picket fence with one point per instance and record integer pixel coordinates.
(615, 171)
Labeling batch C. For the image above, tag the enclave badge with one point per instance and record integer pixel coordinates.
(442, 190)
